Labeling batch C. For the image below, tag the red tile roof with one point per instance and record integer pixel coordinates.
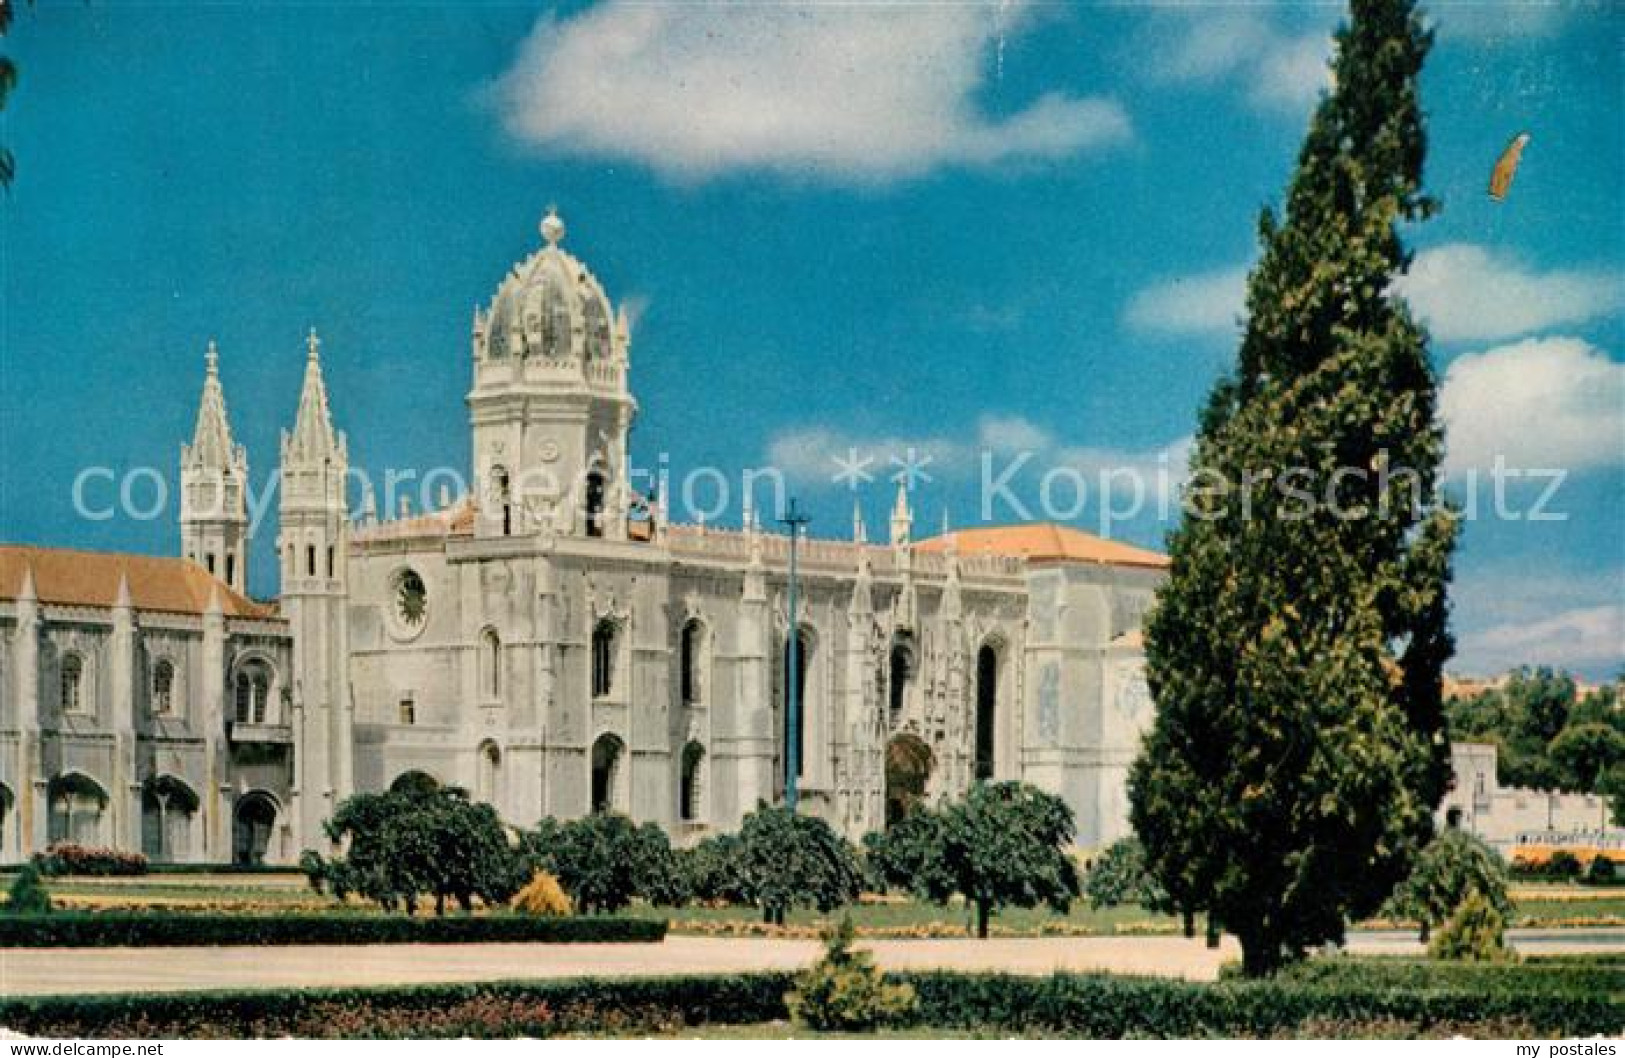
(91, 578)
(1046, 542)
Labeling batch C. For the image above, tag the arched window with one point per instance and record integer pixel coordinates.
(594, 503)
(491, 663)
(488, 768)
(501, 493)
(689, 796)
(900, 674)
(691, 644)
(73, 680)
(168, 808)
(595, 318)
(603, 658)
(804, 649)
(252, 826)
(78, 807)
(987, 711)
(163, 687)
(607, 752)
(253, 692)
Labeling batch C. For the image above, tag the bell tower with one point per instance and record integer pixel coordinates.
(313, 550)
(550, 407)
(214, 480)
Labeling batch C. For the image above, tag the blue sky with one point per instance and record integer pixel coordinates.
(955, 228)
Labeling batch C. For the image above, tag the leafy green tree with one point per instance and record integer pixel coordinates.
(599, 859)
(1613, 788)
(1118, 876)
(789, 861)
(28, 895)
(1454, 864)
(1586, 753)
(1003, 845)
(713, 870)
(402, 845)
(906, 854)
(1296, 650)
(8, 82)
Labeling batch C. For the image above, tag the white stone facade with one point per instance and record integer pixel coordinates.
(552, 644)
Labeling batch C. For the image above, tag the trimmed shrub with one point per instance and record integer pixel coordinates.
(845, 992)
(121, 929)
(1475, 932)
(1579, 975)
(1563, 864)
(713, 871)
(1454, 864)
(1602, 871)
(1119, 876)
(66, 857)
(542, 895)
(28, 895)
(1090, 1005)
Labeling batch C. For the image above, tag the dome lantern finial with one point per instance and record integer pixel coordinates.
(313, 345)
(211, 359)
(553, 226)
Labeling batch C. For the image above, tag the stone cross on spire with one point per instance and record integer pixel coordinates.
(211, 446)
(313, 437)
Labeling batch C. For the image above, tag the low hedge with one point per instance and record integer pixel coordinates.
(1595, 975)
(129, 929)
(1091, 1005)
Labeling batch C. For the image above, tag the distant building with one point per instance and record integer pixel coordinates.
(1509, 818)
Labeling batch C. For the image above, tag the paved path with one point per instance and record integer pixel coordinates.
(89, 970)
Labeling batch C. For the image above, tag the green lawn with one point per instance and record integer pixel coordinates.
(1537, 905)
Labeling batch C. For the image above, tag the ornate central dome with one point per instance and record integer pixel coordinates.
(551, 307)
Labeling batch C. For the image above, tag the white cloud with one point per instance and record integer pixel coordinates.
(1464, 291)
(1486, 22)
(1277, 69)
(1588, 638)
(1550, 403)
(1206, 303)
(864, 93)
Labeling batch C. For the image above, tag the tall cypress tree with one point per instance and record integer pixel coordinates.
(1296, 650)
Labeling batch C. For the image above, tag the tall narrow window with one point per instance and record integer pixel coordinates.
(606, 773)
(231, 569)
(163, 687)
(310, 560)
(253, 693)
(208, 562)
(73, 678)
(799, 734)
(603, 658)
(492, 663)
(595, 503)
(330, 560)
(409, 711)
(901, 672)
(688, 664)
(504, 499)
(688, 797)
(987, 705)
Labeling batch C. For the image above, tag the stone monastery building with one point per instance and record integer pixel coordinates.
(551, 643)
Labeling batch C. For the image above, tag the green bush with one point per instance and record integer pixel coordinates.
(1452, 865)
(1119, 876)
(602, 860)
(1602, 871)
(66, 857)
(1563, 865)
(1476, 932)
(789, 860)
(1580, 975)
(118, 929)
(713, 870)
(845, 992)
(1096, 1006)
(28, 895)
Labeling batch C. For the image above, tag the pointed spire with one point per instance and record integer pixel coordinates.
(211, 446)
(313, 437)
(29, 592)
(902, 519)
(122, 601)
(860, 534)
